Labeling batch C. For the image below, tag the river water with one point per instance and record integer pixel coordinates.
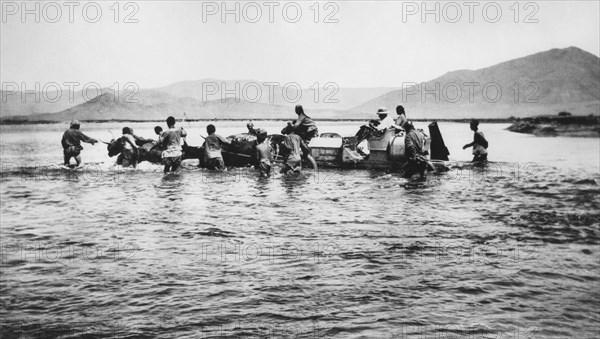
(506, 251)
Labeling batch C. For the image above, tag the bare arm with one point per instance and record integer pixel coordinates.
(470, 144)
(225, 141)
(140, 140)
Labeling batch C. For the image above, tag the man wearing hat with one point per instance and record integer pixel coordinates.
(71, 143)
(385, 121)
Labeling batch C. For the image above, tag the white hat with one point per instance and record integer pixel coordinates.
(382, 110)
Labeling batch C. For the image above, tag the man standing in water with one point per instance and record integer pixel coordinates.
(479, 144)
(263, 156)
(129, 155)
(171, 143)
(212, 146)
(71, 143)
(297, 149)
(415, 154)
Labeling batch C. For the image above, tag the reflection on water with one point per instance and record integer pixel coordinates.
(510, 250)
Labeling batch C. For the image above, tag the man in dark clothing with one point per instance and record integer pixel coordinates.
(414, 152)
(71, 143)
(304, 126)
(479, 143)
(297, 150)
(212, 146)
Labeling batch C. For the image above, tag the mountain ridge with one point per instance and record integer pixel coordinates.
(546, 82)
(541, 83)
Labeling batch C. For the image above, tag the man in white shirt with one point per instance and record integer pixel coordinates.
(385, 121)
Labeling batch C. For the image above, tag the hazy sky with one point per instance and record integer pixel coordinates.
(373, 43)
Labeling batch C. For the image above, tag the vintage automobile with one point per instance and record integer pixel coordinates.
(385, 149)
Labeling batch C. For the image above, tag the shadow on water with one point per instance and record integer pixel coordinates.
(262, 185)
(296, 182)
(172, 177)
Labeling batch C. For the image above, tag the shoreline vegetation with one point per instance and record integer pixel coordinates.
(562, 125)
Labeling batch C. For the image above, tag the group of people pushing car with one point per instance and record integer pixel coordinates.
(298, 134)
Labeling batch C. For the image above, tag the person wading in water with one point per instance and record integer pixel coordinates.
(263, 156)
(479, 144)
(213, 144)
(171, 143)
(129, 156)
(71, 143)
(416, 155)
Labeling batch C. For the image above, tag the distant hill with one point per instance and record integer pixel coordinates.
(321, 97)
(543, 83)
(15, 104)
(328, 100)
(548, 82)
(154, 105)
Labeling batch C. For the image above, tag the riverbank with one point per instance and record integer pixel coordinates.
(571, 126)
